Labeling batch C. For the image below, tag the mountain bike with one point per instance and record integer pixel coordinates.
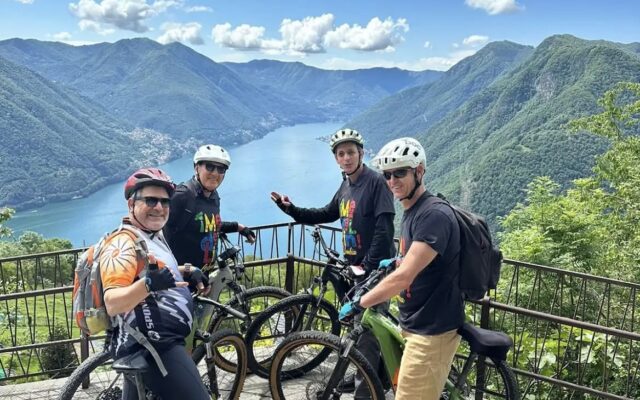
(302, 312)
(493, 380)
(107, 380)
(226, 275)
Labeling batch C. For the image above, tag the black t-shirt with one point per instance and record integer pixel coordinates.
(192, 234)
(357, 205)
(433, 303)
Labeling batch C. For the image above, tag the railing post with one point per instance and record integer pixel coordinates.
(481, 365)
(84, 354)
(289, 277)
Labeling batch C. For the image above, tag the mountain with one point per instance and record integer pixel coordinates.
(57, 144)
(413, 111)
(168, 88)
(338, 94)
(486, 151)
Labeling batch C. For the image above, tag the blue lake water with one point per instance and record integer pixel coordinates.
(288, 160)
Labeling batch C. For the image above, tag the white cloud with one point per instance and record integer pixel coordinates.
(25, 1)
(494, 7)
(377, 35)
(243, 37)
(62, 36)
(313, 35)
(427, 44)
(174, 32)
(475, 40)
(307, 35)
(122, 14)
(196, 9)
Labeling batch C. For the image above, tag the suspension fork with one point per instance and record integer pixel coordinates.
(346, 344)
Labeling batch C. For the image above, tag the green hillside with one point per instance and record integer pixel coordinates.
(413, 111)
(169, 88)
(57, 144)
(486, 152)
(338, 94)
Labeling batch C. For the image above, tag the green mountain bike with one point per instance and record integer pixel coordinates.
(486, 350)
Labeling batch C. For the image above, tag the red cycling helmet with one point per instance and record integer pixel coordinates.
(148, 176)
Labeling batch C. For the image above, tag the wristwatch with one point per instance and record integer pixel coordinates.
(187, 269)
(147, 284)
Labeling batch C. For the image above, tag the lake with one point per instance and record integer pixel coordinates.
(288, 160)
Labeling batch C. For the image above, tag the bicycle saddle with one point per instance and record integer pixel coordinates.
(135, 362)
(485, 342)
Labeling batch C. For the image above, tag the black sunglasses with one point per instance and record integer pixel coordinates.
(213, 167)
(398, 173)
(151, 201)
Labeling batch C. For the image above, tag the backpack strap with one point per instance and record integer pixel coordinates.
(142, 339)
(142, 252)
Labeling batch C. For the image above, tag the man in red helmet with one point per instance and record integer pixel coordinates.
(155, 301)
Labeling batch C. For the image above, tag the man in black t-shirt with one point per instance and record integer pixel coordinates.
(431, 304)
(364, 205)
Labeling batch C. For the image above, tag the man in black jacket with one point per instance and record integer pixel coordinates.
(364, 205)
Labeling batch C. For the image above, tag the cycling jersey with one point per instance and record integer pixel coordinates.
(165, 316)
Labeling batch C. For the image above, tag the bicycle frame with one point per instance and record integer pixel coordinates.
(389, 337)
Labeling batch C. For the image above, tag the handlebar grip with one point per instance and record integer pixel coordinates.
(153, 263)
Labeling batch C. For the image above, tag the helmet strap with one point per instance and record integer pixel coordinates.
(345, 175)
(144, 228)
(415, 186)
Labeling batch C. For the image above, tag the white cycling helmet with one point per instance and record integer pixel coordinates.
(213, 153)
(400, 153)
(345, 135)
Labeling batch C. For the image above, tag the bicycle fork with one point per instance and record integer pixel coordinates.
(346, 344)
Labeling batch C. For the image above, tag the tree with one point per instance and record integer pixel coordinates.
(5, 215)
(595, 223)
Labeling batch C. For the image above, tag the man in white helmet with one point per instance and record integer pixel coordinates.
(364, 205)
(431, 304)
(194, 221)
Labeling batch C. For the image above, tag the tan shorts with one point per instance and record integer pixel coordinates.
(425, 365)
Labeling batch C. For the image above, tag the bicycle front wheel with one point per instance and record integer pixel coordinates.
(293, 314)
(104, 382)
(301, 346)
(499, 383)
(256, 300)
(220, 383)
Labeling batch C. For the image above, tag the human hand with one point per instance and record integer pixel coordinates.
(198, 281)
(349, 310)
(387, 264)
(282, 201)
(247, 233)
(160, 278)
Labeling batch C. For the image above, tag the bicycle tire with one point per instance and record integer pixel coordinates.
(500, 383)
(228, 322)
(284, 312)
(316, 382)
(99, 380)
(221, 342)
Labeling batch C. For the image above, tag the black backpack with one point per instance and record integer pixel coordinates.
(480, 259)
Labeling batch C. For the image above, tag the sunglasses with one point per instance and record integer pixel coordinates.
(398, 173)
(215, 167)
(151, 201)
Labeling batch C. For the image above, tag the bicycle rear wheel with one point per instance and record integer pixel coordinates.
(300, 346)
(293, 314)
(228, 384)
(105, 384)
(500, 382)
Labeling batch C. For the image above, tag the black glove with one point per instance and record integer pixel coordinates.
(158, 279)
(196, 276)
(246, 232)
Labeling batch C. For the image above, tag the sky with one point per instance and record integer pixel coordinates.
(329, 34)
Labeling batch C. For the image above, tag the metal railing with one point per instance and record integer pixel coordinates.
(575, 335)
